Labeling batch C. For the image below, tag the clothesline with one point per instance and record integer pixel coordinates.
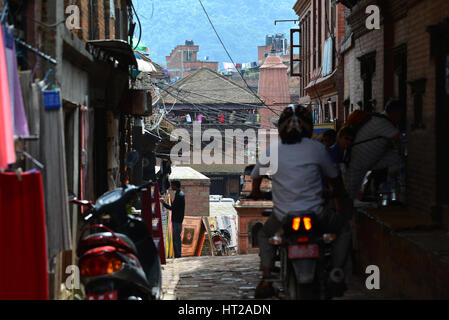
(36, 51)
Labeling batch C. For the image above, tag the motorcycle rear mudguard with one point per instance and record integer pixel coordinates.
(304, 270)
(147, 253)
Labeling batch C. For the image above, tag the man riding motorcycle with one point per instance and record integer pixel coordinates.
(297, 186)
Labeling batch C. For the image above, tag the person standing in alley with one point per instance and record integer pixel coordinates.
(375, 148)
(177, 208)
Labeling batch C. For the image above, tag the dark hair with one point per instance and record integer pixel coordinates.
(176, 183)
(295, 123)
(393, 105)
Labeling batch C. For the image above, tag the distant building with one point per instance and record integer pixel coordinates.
(183, 61)
(277, 42)
(219, 104)
(274, 89)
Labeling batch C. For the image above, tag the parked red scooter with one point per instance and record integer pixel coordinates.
(122, 264)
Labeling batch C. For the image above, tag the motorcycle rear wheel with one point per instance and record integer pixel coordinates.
(297, 291)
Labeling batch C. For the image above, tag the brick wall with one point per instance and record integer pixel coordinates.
(104, 26)
(196, 197)
(408, 26)
(177, 62)
(370, 42)
(408, 270)
(422, 143)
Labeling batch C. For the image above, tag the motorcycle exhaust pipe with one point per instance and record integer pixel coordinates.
(337, 275)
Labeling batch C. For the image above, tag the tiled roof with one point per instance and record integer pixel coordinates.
(206, 86)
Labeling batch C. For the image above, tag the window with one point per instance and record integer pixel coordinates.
(320, 24)
(367, 70)
(112, 8)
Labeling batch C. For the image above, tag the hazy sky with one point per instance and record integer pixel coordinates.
(241, 24)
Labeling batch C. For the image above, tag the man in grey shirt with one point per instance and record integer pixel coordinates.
(297, 186)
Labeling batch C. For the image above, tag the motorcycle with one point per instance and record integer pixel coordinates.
(305, 254)
(123, 264)
(222, 239)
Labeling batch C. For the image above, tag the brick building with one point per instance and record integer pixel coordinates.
(183, 61)
(321, 25)
(274, 89)
(101, 19)
(90, 67)
(406, 59)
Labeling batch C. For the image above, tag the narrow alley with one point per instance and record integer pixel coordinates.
(234, 278)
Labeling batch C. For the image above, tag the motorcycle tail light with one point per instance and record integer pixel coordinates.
(98, 263)
(296, 223)
(307, 223)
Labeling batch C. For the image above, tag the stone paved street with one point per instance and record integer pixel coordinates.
(211, 278)
(231, 278)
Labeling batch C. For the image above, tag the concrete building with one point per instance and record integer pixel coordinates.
(278, 42)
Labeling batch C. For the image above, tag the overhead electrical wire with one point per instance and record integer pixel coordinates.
(192, 103)
(140, 25)
(227, 52)
(242, 124)
(220, 100)
(217, 111)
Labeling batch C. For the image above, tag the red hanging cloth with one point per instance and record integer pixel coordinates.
(7, 153)
(23, 243)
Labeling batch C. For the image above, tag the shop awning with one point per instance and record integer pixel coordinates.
(119, 50)
(144, 65)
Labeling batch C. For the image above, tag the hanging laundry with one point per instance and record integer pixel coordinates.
(23, 244)
(228, 66)
(20, 125)
(7, 153)
(52, 154)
